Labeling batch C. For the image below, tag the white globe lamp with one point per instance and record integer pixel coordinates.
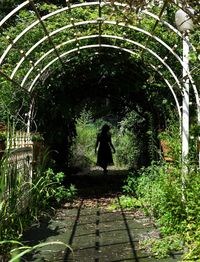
(183, 21)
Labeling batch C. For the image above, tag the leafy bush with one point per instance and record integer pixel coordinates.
(20, 249)
(37, 137)
(129, 202)
(130, 138)
(171, 136)
(130, 184)
(49, 189)
(125, 202)
(26, 201)
(84, 143)
(163, 247)
(192, 229)
(160, 191)
(126, 143)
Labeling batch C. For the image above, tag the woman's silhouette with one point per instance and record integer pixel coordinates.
(105, 147)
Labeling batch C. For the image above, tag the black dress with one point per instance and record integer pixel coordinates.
(104, 156)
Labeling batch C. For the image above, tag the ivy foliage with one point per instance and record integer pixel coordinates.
(88, 75)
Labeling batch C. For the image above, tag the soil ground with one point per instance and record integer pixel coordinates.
(88, 225)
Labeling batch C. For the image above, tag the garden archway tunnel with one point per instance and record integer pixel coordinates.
(48, 37)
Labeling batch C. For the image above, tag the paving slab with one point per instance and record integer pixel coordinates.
(94, 232)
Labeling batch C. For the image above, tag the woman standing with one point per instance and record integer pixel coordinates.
(105, 147)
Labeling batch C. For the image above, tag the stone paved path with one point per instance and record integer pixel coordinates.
(95, 233)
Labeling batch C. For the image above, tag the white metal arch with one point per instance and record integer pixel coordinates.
(97, 46)
(13, 12)
(69, 8)
(100, 20)
(94, 22)
(114, 22)
(154, 68)
(97, 3)
(127, 50)
(82, 38)
(137, 44)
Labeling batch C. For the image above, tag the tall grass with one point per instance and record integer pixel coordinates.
(22, 199)
(84, 144)
(14, 192)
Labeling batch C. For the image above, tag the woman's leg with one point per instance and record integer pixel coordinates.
(105, 171)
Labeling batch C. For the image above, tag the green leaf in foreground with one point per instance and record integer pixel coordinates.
(29, 249)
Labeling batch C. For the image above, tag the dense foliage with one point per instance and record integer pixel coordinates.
(130, 133)
(170, 196)
(23, 201)
(14, 99)
(83, 89)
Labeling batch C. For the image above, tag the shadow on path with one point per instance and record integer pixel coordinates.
(93, 183)
(95, 233)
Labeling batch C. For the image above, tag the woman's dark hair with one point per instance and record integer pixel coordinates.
(105, 128)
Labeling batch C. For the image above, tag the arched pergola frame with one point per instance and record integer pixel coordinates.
(150, 35)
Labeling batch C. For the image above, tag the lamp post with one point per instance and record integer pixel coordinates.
(184, 24)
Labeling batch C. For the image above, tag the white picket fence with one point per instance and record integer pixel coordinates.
(17, 166)
(19, 140)
(20, 147)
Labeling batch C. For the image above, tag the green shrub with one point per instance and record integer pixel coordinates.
(130, 185)
(171, 136)
(160, 191)
(26, 201)
(125, 202)
(83, 148)
(84, 142)
(126, 143)
(163, 247)
(49, 189)
(192, 229)
(130, 137)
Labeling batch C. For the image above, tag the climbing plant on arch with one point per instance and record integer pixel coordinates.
(38, 38)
